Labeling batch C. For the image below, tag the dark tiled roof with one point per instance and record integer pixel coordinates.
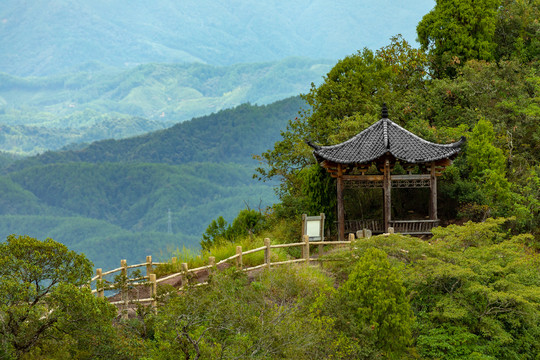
(382, 137)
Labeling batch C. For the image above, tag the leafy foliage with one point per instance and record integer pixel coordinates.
(474, 290)
(457, 31)
(42, 299)
(233, 319)
(247, 223)
(373, 297)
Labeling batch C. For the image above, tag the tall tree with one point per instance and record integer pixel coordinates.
(458, 30)
(41, 299)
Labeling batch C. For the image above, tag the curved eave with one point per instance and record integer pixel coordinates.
(386, 138)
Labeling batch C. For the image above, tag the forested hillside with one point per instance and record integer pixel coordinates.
(116, 194)
(48, 113)
(232, 135)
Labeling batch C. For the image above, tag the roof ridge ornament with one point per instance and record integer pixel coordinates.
(384, 111)
(385, 134)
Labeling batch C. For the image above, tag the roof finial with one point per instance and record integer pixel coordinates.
(384, 111)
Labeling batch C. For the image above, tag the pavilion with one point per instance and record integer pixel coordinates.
(384, 144)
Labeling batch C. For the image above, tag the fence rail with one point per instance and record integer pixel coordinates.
(185, 274)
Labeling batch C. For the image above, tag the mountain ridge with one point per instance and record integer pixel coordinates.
(46, 37)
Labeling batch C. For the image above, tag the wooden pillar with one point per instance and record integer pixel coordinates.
(433, 193)
(340, 206)
(387, 189)
(321, 248)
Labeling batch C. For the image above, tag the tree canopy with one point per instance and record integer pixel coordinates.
(43, 298)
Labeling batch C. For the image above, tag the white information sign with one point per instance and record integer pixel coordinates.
(313, 226)
(313, 229)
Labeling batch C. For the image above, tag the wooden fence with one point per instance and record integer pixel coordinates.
(124, 283)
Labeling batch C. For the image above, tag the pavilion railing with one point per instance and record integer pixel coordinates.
(352, 226)
(414, 227)
(410, 227)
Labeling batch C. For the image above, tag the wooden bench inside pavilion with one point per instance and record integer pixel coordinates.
(384, 144)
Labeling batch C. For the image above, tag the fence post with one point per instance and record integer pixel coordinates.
(239, 258)
(123, 290)
(149, 269)
(185, 276)
(99, 283)
(153, 283)
(267, 252)
(212, 263)
(306, 248)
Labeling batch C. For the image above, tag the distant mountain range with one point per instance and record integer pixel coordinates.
(48, 113)
(44, 37)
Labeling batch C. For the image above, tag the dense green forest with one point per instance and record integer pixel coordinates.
(48, 113)
(116, 194)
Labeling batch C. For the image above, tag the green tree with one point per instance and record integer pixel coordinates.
(374, 301)
(247, 222)
(217, 232)
(483, 155)
(43, 299)
(456, 31)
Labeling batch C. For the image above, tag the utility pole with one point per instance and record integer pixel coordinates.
(169, 223)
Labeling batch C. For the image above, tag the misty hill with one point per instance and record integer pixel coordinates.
(232, 135)
(45, 37)
(113, 196)
(48, 113)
